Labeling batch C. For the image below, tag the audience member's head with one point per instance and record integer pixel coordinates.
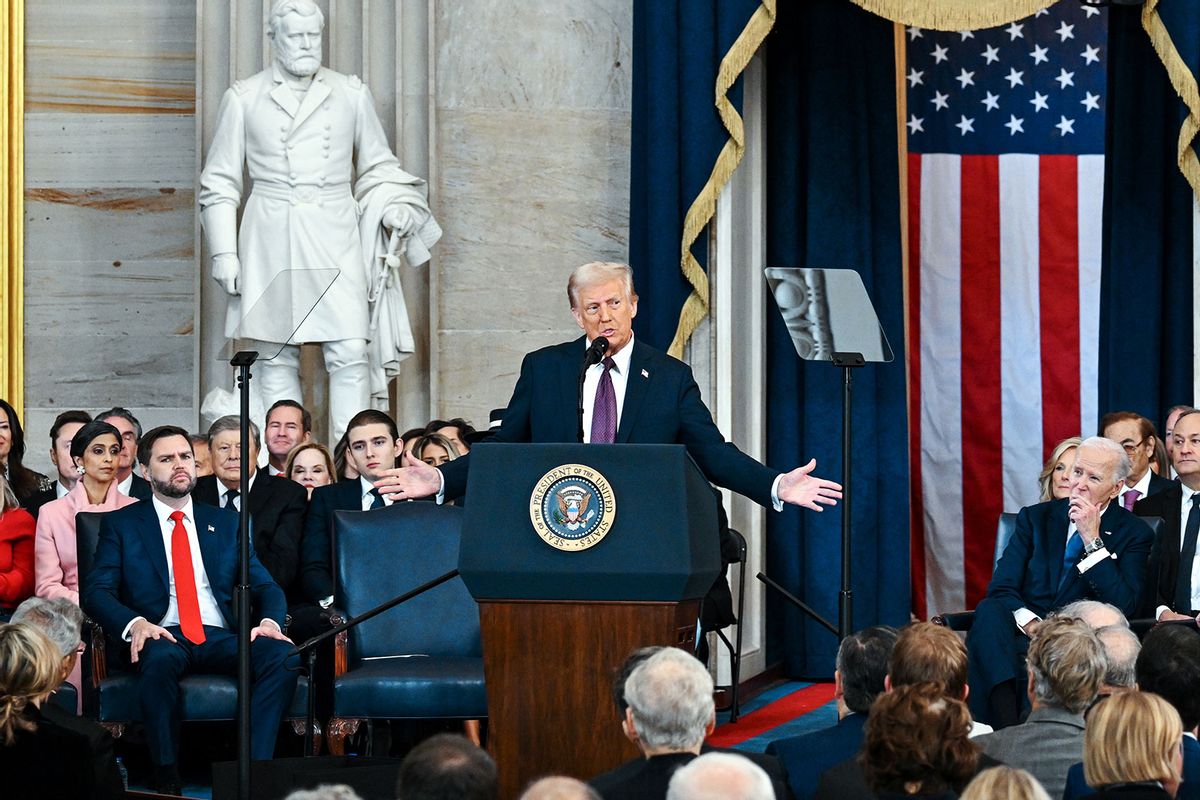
(165, 454)
(1004, 783)
(372, 443)
(288, 424)
(559, 787)
(862, 666)
(310, 465)
(65, 426)
(435, 449)
(343, 465)
(1135, 434)
(131, 433)
(201, 454)
(1169, 666)
(23, 480)
(670, 702)
(97, 450)
(1173, 414)
(61, 621)
(623, 672)
(225, 445)
(929, 653)
(1132, 737)
(447, 767)
(457, 430)
(410, 437)
(1097, 615)
(1121, 648)
(917, 741)
(30, 669)
(1187, 448)
(1055, 477)
(1100, 470)
(720, 776)
(325, 792)
(1066, 665)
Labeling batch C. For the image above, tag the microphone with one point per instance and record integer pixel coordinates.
(596, 352)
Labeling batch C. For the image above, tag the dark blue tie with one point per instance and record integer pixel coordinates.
(1183, 579)
(377, 501)
(1070, 557)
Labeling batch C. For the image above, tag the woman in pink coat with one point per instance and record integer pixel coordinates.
(95, 449)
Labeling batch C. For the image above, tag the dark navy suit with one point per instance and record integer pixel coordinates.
(805, 757)
(1030, 575)
(662, 406)
(130, 579)
(1164, 558)
(316, 550)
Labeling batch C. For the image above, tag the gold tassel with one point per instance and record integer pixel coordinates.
(954, 15)
(12, 208)
(1184, 83)
(704, 207)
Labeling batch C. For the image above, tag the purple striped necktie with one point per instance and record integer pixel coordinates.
(604, 412)
(1130, 498)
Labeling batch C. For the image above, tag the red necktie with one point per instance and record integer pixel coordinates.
(185, 582)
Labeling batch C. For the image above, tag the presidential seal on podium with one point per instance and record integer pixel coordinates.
(572, 507)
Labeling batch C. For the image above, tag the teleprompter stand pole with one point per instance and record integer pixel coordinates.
(243, 360)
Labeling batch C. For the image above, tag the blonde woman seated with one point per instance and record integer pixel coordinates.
(1004, 783)
(1132, 748)
(434, 449)
(310, 465)
(38, 756)
(1055, 478)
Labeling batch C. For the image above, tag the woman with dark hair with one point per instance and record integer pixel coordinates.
(917, 744)
(16, 549)
(25, 482)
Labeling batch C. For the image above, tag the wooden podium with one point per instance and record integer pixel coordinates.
(558, 619)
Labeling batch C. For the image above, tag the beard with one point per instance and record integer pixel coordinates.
(169, 488)
(301, 64)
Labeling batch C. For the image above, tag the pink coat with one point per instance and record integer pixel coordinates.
(55, 569)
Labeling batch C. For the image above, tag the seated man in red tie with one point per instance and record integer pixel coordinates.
(163, 581)
(1080, 547)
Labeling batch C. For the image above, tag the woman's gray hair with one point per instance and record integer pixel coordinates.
(305, 8)
(60, 619)
(670, 697)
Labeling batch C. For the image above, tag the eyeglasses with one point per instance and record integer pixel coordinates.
(1131, 447)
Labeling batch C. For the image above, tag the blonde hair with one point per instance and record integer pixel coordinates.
(418, 448)
(325, 454)
(1132, 736)
(1004, 783)
(30, 668)
(1046, 475)
(595, 273)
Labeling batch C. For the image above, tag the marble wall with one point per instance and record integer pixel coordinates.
(110, 283)
(518, 114)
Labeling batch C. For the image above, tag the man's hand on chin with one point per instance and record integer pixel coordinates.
(801, 489)
(414, 480)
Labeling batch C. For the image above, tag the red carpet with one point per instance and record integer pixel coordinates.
(772, 715)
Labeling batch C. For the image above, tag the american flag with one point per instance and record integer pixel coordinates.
(1005, 192)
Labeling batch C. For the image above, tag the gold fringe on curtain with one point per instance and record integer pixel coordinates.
(954, 15)
(12, 205)
(1185, 86)
(704, 207)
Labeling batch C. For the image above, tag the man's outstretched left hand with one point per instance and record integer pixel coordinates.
(800, 488)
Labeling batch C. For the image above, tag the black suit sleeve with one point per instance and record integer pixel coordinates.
(316, 571)
(279, 547)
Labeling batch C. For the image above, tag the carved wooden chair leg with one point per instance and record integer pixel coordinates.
(471, 731)
(115, 729)
(298, 730)
(339, 729)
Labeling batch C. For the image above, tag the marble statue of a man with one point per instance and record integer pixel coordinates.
(303, 133)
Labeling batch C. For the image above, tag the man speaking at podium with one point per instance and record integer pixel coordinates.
(631, 394)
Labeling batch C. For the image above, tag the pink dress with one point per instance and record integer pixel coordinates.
(55, 565)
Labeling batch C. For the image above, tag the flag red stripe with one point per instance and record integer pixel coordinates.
(1058, 224)
(916, 513)
(982, 431)
(782, 711)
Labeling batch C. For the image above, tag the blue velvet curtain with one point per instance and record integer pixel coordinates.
(834, 201)
(1146, 313)
(677, 50)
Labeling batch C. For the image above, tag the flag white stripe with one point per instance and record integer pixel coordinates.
(941, 381)
(1091, 235)
(1020, 330)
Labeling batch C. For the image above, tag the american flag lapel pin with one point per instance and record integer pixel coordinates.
(645, 374)
(211, 529)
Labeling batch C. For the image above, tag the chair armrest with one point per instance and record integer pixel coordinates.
(955, 620)
(1142, 626)
(97, 651)
(341, 643)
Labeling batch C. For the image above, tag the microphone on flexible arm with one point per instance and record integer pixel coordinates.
(595, 353)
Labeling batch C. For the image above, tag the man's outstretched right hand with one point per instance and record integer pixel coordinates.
(413, 481)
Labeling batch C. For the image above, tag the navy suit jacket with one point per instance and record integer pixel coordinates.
(662, 406)
(805, 757)
(129, 576)
(1029, 573)
(316, 550)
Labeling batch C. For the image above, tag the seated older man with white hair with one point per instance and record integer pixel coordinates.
(670, 709)
(720, 776)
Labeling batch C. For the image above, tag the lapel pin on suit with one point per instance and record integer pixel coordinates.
(645, 374)
(211, 529)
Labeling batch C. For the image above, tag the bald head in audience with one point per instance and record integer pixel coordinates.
(1097, 615)
(559, 787)
(720, 776)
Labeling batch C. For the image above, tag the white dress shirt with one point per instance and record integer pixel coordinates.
(60, 491)
(237, 501)
(274, 473)
(1185, 508)
(126, 485)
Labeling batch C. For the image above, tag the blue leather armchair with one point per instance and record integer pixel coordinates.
(422, 659)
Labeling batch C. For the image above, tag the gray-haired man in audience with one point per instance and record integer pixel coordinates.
(718, 776)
